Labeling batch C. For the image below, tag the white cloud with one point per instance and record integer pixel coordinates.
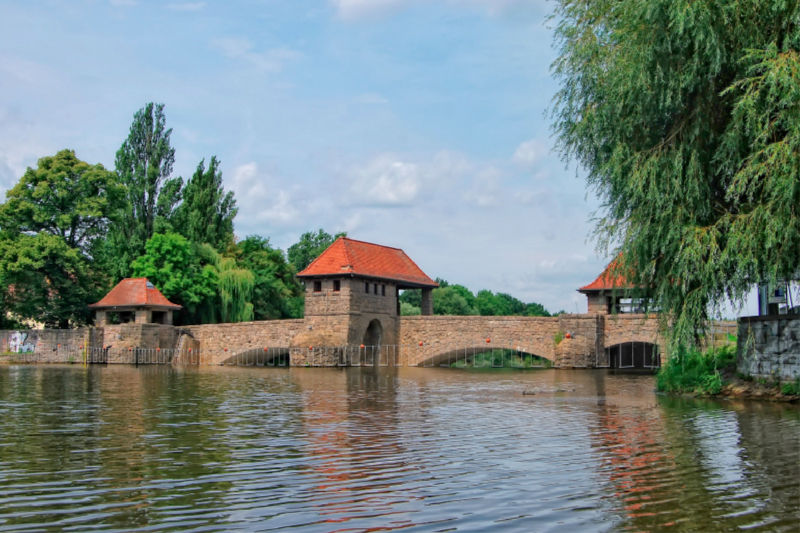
(259, 198)
(385, 181)
(530, 153)
(390, 180)
(243, 49)
(363, 9)
(370, 98)
(187, 6)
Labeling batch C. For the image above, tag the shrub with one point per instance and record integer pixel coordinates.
(692, 370)
(792, 387)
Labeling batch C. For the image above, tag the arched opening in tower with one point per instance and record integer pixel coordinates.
(374, 333)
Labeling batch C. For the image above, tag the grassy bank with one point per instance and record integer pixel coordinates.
(713, 372)
(696, 371)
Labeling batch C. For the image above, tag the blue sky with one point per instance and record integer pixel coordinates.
(412, 123)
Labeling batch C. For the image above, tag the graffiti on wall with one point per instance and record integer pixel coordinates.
(18, 345)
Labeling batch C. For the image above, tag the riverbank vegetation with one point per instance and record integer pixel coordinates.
(695, 370)
(685, 117)
(712, 372)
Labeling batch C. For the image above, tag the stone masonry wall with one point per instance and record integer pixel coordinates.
(135, 335)
(769, 347)
(446, 338)
(619, 329)
(220, 342)
(342, 317)
(45, 345)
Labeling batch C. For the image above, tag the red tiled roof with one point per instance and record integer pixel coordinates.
(135, 292)
(608, 280)
(347, 256)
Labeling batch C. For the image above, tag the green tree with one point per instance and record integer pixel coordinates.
(207, 212)
(173, 265)
(535, 309)
(144, 165)
(276, 292)
(412, 297)
(44, 280)
(448, 301)
(310, 246)
(465, 293)
(235, 286)
(686, 117)
(406, 309)
(66, 197)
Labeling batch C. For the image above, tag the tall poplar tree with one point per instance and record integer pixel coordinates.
(207, 211)
(144, 165)
(686, 117)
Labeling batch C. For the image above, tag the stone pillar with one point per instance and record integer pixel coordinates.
(100, 318)
(143, 316)
(427, 302)
(168, 318)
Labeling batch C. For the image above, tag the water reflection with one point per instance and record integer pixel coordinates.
(250, 449)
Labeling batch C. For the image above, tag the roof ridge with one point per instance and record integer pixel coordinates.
(348, 260)
(371, 243)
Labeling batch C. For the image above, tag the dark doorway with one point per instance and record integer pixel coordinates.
(634, 355)
(374, 333)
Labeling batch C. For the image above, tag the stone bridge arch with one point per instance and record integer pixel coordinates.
(446, 355)
(434, 340)
(250, 357)
(621, 329)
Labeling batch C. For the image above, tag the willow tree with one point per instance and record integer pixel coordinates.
(235, 286)
(685, 116)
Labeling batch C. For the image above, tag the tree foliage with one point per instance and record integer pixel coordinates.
(310, 246)
(172, 264)
(144, 165)
(63, 196)
(276, 293)
(454, 299)
(207, 212)
(44, 280)
(234, 287)
(686, 117)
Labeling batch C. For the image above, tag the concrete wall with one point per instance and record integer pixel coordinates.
(769, 347)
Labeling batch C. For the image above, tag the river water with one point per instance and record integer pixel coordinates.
(120, 448)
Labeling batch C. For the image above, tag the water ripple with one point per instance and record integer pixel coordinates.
(230, 449)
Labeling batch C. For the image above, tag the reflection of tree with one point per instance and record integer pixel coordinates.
(686, 461)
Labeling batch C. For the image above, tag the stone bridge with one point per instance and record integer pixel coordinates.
(567, 341)
(352, 317)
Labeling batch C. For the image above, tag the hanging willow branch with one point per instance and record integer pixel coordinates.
(235, 285)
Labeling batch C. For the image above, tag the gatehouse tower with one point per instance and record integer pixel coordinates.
(352, 294)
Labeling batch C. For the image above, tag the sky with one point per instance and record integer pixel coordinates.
(418, 124)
